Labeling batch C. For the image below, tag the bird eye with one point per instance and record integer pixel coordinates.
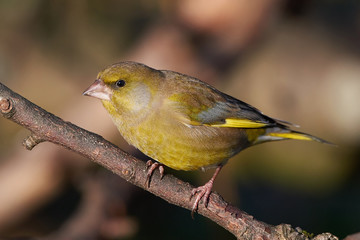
(120, 83)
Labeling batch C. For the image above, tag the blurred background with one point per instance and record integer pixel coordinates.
(296, 60)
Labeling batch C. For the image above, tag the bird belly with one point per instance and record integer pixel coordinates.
(186, 148)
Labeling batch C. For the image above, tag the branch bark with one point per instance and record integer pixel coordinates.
(45, 126)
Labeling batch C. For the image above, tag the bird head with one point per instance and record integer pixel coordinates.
(126, 86)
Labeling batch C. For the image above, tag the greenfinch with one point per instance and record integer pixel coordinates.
(182, 122)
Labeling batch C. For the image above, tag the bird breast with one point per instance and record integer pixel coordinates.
(181, 146)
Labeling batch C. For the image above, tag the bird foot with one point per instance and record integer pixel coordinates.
(202, 192)
(151, 166)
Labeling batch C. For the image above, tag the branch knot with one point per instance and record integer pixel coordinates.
(31, 141)
(6, 107)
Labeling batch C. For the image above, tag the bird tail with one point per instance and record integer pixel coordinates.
(277, 133)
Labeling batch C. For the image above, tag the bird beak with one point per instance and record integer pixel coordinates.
(99, 90)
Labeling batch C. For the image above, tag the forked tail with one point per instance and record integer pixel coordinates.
(276, 134)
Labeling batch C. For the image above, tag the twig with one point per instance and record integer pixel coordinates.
(45, 126)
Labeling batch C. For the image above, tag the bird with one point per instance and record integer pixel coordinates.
(182, 122)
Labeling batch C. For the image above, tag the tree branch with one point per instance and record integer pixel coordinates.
(45, 126)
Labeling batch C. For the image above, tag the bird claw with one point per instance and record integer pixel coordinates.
(151, 166)
(202, 192)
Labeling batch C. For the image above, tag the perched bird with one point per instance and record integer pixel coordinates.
(182, 122)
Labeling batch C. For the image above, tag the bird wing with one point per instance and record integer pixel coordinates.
(204, 105)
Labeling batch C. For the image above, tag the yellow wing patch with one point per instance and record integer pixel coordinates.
(240, 123)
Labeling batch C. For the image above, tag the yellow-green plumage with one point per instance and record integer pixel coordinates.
(181, 121)
(159, 129)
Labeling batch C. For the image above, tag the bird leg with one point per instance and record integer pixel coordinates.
(151, 166)
(203, 191)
